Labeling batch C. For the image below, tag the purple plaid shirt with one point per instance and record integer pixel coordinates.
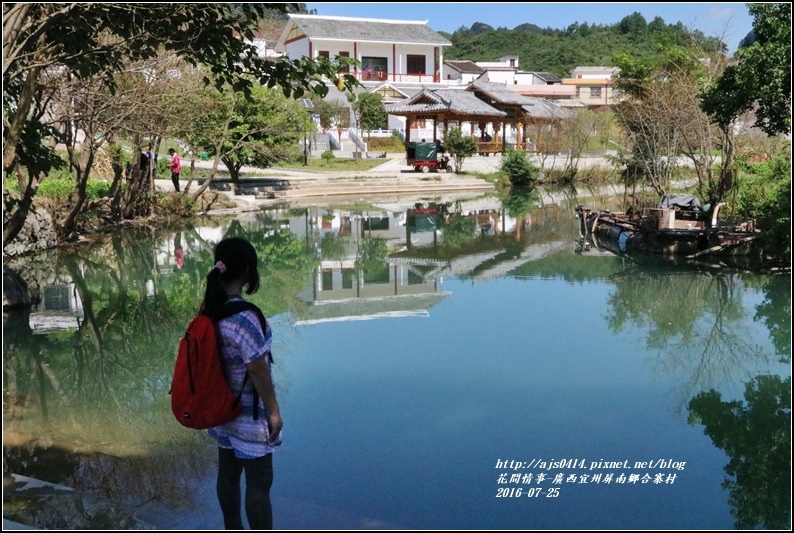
(240, 341)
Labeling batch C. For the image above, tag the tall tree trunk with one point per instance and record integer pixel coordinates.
(207, 181)
(17, 125)
(135, 184)
(19, 213)
(83, 165)
(234, 173)
(218, 155)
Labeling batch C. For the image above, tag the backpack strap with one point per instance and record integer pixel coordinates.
(231, 308)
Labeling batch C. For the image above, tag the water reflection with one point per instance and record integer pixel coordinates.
(86, 372)
(756, 435)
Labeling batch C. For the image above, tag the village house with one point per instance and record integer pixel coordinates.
(400, 59)
(397, 57)
(593, 86)
(506, 71)
(397, 51)
(461, 72)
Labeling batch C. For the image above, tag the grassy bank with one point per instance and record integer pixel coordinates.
(336, 164)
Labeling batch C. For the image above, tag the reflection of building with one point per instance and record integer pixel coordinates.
(60, 308)
(342, 290)
(408, 280)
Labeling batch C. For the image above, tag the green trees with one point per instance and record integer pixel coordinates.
(765, 195)
(761, 82)
(369, 111)
(459, 147)
(83, 41)
(762, 76)
(520, 171)
(558, 51)
(259, 128)
(332, 113)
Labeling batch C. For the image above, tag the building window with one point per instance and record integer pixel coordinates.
(416, 64)
(595, 92)
(327, 280)
(348, 277)
(346, 69)
(374, 68)
(324, 53)
(512, 62)
(578, 92)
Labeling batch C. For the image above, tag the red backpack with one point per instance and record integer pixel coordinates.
(200, 395)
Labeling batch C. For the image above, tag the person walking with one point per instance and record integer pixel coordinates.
(245, 444)
(176, 168)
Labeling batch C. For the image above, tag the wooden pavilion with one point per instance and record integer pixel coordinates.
(525, 113)
(448, 107)
(485, 106)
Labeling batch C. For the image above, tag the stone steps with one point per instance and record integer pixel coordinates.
(306, 187)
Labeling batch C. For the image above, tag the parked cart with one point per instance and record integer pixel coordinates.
(424, 156)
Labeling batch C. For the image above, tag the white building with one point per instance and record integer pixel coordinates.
(398, 51)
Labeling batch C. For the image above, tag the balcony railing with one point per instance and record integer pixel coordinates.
(498, 147)
(383, 75)
(372, 75)
(489, 147)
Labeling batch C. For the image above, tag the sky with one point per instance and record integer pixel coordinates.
(730, 21)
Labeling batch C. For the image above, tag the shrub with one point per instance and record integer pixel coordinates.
(767, 198)
(327, 156)
(58, 187)
(519, 169)
(174, 205)
(386, 144)
(459, 147)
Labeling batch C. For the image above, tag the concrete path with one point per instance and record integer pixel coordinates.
(393, 179)
(399, 167)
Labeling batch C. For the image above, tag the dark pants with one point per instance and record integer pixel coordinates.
(258, 480)
(175, 179)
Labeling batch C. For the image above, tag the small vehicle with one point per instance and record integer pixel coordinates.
(424, 155)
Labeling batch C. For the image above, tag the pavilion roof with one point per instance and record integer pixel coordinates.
(453, 101)
(544, 109)
(498, 92)
(368, 30)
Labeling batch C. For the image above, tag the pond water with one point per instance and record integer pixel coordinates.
(440, 365)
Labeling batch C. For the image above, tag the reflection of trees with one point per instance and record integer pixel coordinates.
(458, 230)
(371, 254)
(100, 392)
(334, 246)
(103, 387)
(775, 312)
(125, 338)
(520, 201)
(695, 322)
(756, 436)
(286, 268)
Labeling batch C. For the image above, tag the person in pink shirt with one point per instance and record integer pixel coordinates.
(176, 168)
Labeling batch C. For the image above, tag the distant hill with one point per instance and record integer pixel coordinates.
(559, 50)
(529, 28)
(478, 28)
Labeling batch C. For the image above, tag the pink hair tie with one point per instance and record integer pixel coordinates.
(220, 266)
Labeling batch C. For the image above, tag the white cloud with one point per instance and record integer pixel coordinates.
(721, 13)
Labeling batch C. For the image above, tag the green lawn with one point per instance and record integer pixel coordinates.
(333, 165)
